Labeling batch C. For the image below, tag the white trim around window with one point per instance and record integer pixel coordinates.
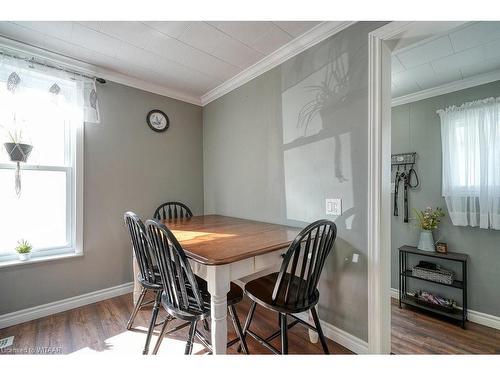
(74, 204)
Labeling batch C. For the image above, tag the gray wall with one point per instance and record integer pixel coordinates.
(127, 167)
(416, 127)
(261, 162)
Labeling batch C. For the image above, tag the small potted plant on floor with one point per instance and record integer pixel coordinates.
(23, 248)
(429, 220)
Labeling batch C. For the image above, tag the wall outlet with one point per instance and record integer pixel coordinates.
(334, 206)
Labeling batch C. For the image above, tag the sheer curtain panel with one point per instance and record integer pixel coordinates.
(470, 136)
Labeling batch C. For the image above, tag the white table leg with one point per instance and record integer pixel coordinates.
(313, 336)
(218, 286)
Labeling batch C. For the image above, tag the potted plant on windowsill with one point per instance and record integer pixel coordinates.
(23, 249)
(429, 220)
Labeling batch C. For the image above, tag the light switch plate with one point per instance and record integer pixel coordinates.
(355, 258)
(334, 206)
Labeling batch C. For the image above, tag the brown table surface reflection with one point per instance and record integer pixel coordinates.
(217, 240)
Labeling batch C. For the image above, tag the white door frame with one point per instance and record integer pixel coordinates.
(379, 235)
(380, 43)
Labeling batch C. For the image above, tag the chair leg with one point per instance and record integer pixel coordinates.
(205, 326)
(320, 331)
(284, 334)
(237, 328)
(137, 307)
(160, 338)
(189, 343)
(247, 323)
(152, 323)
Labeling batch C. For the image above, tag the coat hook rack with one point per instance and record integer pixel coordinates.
(408, 177)
(404, 160)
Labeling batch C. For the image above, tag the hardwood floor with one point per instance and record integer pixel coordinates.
(414, 332)
(100, 328)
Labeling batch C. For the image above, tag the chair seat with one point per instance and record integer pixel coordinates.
(193, 313)
(261, 291)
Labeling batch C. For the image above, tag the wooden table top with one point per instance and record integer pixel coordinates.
(216, 240)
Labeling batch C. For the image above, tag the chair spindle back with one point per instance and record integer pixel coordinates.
(143, 252)
(176, 274)
(303, 262)
(172, 210)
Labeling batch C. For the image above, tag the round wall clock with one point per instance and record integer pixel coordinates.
(157, 120)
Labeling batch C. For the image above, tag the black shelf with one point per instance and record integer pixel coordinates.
(433, 254)
(405, 274)
(412, 301)
(455, 284)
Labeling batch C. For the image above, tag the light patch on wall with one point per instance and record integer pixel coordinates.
(302, 104)
(348, 222)
(310, 177)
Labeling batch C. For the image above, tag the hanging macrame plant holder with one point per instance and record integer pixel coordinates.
(18, 153)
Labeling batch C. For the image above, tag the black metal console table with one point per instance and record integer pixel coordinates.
(405, 273)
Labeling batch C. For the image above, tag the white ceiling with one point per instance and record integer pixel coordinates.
(189, 57)
(459, 54)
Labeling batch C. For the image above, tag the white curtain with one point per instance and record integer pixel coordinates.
(470, 136)
(23, 80)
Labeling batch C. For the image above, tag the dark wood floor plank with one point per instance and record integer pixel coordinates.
(416, 332)
(98, 327)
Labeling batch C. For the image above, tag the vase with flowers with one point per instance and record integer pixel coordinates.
(428, 220)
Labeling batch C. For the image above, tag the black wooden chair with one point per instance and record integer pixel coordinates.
(186, 296)
(172, 210)
(294, 288)
(148, 277)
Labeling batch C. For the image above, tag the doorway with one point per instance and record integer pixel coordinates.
(409, 64)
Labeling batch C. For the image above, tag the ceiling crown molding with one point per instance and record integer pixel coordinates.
(310, 38)
(447, 88)
(86, 68)
(294, 47)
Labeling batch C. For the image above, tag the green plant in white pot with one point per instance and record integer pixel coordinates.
(23, 248)
(429, 220)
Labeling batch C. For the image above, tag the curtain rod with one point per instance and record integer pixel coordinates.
(32, 60)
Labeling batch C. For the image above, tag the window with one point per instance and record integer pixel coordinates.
(46, 109)
(470, 136)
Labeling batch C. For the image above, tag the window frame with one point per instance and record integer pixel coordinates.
(74, 200)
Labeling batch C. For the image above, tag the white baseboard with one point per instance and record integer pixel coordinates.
(395, 293)
(41, 311)
(484, 319)
(473, 316)
(351, 342)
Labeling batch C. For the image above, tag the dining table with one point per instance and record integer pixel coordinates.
(223, 249)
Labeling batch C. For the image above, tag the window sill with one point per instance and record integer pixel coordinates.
(40, 259)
